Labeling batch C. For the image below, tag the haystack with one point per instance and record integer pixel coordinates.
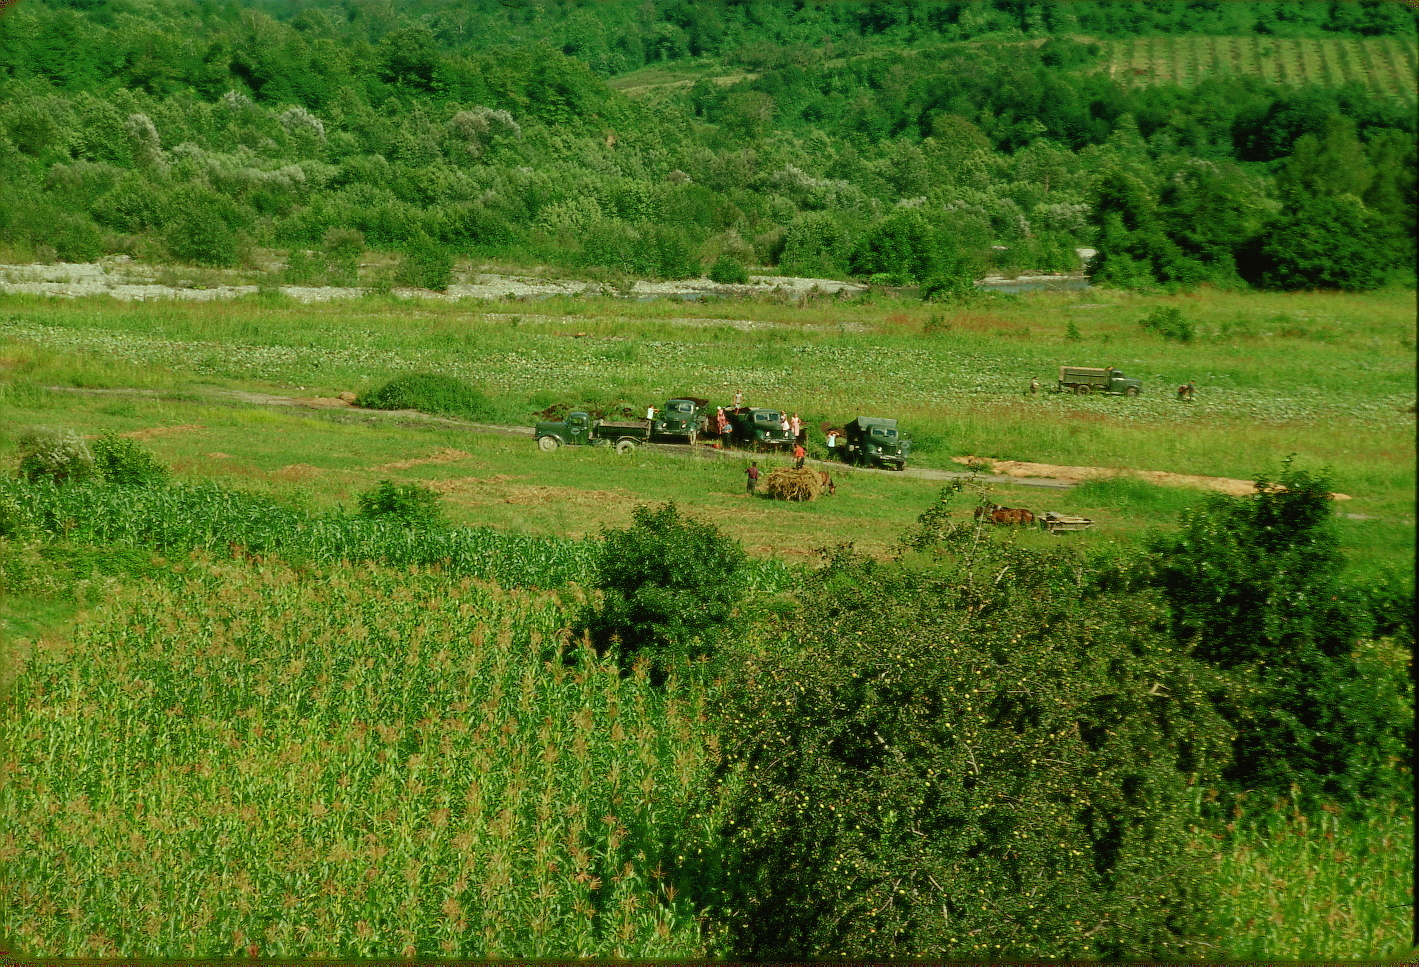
(796, 484)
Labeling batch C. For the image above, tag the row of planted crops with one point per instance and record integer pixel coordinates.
(355, 762)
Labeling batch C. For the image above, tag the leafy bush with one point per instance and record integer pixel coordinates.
(986, 756)
(428, 393)
(411, 504)
(54, 453)
(426, 265)
(670, 586)
(1169, 323)
(727, 270)
(1327, 243)
(121, 460)
(1254, 585)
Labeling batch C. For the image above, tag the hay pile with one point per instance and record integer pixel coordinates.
(801, 484)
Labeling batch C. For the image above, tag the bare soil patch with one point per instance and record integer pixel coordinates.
(156, 431)
(1020, 468)
(441, 455)
(297, 472)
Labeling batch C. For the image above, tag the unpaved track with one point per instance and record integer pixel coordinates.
(1006, 472)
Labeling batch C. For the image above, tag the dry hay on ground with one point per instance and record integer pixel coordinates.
(441, 455)
(1018, 468)
(492, 490)
(798, 483)
(153, 431)
(296, 471)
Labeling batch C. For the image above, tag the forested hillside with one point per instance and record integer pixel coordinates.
(900, 143)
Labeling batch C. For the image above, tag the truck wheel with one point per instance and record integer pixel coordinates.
(547, 443)
(1131, 391)
(1082, 389)
(625, 446)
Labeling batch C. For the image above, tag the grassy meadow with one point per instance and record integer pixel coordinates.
(208, 756)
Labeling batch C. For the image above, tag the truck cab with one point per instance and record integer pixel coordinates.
(875, 441)
(683, 416)
(758, 428)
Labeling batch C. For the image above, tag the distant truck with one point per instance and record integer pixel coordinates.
(874, 441)
(758, 429)
(1082, 380)
(683, 416)
(580, 429)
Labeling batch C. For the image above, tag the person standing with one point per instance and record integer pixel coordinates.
(752, 478)
(1034, 386)
(832, 443)
(795, 426)
(738, 398)
(1191, 389)
(721, 422)
(650, 412)
(798, 454)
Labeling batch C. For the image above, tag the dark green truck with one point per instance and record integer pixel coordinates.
(874, 441)
(581, 429)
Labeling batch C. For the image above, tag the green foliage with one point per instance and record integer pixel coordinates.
(1168, 322)
(1326, 243)
(428, 393)
(122, 460)
(670, 588)
(54, 453)
(727, 270)
(905, 248)
(426, 265)
(1254, 586)
(411, 504)
(986, 756)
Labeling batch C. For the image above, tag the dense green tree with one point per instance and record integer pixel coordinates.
(1255, 588)
(983, 757)
(1326, 243)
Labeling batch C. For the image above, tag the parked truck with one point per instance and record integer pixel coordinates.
(1083, 380)
(581, 429)
(757, 428)
(874, 441)
(683, 416)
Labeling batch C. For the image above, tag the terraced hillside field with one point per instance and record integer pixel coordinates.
(1385, 65)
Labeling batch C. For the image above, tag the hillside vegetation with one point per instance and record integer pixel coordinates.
(920, 144)
(308, 651)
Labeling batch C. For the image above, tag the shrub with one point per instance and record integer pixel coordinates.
(428, 393)
(1169, 323)
(426, 265)
(986, 756)
(412, 504)
(670, 587)
(727, 270)
(54, 453)
(1254, 585)
(121, 460)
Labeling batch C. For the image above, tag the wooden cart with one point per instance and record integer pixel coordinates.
(1058, 523)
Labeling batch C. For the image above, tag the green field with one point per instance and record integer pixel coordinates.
(1385, 65)
(212, 755)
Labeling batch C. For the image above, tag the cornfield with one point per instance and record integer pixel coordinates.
(350, 763)
(221, 521)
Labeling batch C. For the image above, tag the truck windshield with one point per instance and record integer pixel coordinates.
(680, 406)
(767, 416)
(884, 432)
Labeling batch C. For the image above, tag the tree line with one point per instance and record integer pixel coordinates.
(935, 142)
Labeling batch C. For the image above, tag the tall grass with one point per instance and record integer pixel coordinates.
(1293, 887)
(224, 521)
(357, 763)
